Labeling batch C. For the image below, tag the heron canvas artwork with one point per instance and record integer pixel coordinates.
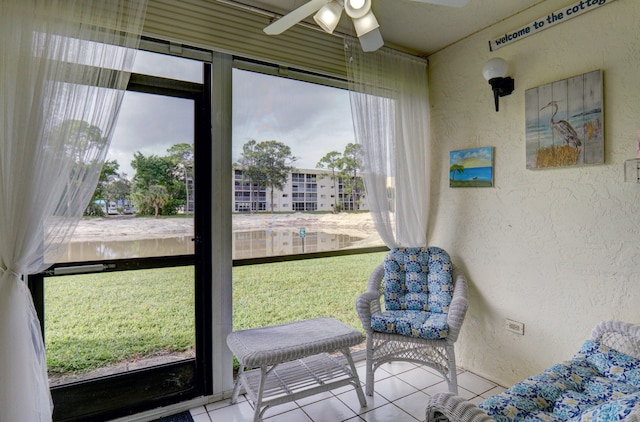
(564, 122)
(471, 168)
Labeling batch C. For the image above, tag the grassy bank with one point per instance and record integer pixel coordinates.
(96, 320)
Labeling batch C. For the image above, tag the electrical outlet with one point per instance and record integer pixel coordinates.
(515, 327)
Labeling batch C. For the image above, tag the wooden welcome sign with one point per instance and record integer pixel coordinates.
(554, 18)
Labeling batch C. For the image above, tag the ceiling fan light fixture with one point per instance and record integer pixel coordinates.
(357, 8)
(328, 16)
(365, 24)
(371, 41)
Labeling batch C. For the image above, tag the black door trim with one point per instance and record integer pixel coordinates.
(136, 391)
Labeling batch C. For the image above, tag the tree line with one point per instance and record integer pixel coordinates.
(163, 185)
(345, 166)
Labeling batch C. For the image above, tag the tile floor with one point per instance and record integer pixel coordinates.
(401, 394)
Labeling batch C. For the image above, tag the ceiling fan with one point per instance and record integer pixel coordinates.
(328, 12)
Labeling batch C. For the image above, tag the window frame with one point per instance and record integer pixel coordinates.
(215, 177)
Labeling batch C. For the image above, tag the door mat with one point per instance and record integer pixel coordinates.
(178, 417)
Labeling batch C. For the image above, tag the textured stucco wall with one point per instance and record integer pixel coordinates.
(559, 249)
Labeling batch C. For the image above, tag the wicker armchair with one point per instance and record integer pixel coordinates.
(601, 383)
(417, 284)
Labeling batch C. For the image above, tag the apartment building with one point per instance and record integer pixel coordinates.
(305, 190)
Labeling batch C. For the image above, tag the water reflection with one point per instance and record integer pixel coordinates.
(258, 243)
(96, 250)
(246, 244)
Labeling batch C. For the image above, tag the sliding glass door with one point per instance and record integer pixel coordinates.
(126, 312)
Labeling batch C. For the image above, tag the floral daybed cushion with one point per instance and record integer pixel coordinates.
(598, 385)
(418, 289)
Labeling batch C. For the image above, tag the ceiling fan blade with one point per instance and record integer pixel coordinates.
(452, 3)
(295, 16)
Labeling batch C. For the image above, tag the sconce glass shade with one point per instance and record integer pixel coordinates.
(365, 24)
(328, 16)
(371, 41)
(357, 8)
(495, 68)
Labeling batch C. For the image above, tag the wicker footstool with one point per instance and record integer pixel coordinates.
(291, 361)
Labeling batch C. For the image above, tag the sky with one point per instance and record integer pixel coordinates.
(474, 157)
(311, 119)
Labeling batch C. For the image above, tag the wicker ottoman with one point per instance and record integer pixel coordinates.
(291, 361)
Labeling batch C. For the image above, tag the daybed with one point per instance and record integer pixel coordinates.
(600, 383)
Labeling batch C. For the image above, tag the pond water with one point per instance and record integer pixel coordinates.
(246, 244)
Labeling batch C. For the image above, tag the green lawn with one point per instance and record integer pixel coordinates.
(94, 320)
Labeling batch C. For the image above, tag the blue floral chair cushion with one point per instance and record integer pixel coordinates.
(615, 365)
(598, 384)
(613, 410)
(418, 290)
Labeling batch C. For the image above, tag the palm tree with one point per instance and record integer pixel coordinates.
(456, 168)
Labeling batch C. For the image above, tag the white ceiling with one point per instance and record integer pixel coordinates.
(420, 28)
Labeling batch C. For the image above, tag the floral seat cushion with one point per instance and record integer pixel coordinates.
(598, 384)
(418, 290)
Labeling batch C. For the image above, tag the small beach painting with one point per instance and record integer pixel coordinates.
(471, 168)
(564, 122)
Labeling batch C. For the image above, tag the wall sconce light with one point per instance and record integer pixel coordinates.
(495, 71)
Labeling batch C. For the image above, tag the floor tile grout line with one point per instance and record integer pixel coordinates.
(398, 376)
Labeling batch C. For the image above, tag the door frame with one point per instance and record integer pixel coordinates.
(135, 391)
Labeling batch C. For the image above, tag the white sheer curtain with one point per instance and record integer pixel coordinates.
(390, 107)
(61, 85)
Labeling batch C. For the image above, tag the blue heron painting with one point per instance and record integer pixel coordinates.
(564, 122)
